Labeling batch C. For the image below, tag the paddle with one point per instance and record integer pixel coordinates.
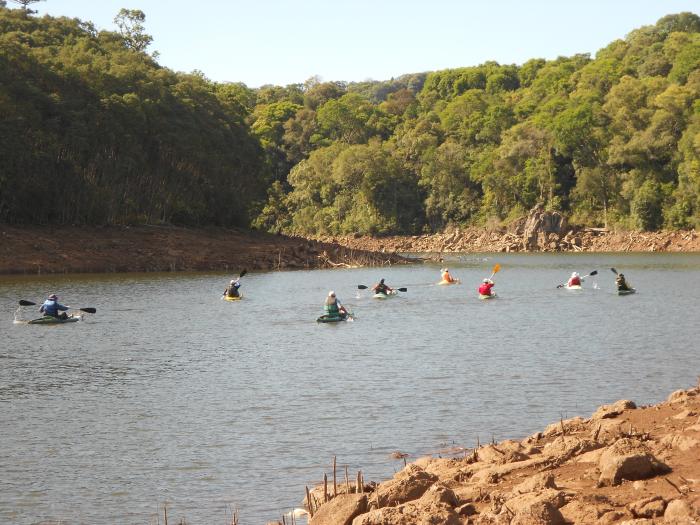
(613, 270)
(594, 272)
(364, 287)
(496, 269)
(89, 310)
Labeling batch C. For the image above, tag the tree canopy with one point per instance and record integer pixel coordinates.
(95, 131)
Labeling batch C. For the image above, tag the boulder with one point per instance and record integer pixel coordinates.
(627, 459)
(535, 483)
(580, 512)
(678, 512)
(680, 442)
(435, 513)
(407, 484)
(614, 410)
(538, 224)
(341, 510)
(651, 507)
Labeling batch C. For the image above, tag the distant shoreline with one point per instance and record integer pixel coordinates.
(33, 250)
(36, 250)
(474, 239)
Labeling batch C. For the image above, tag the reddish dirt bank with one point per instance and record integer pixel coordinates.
(33, 250)
(483, 240)
(624, 465)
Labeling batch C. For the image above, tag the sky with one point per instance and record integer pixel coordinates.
(280, 42)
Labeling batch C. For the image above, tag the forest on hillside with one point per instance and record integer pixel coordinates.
(95, 131)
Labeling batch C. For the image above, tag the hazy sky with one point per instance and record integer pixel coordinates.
(283, 42)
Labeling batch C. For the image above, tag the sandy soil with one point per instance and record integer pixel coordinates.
(623, 465)
(33, 250)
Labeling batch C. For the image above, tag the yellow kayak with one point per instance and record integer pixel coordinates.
(456, 281)
(227, 298)
(482, 296)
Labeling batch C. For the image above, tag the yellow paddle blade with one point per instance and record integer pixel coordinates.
(496, 268)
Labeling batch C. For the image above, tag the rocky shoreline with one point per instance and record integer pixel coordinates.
(624, 465)
(37, 250)
(540, 231)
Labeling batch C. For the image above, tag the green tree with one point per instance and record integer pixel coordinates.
(130, 25)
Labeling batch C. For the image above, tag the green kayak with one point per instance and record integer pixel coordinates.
(47, 319)
(331, 318)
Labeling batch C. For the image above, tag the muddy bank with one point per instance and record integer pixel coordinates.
(35, 250)
(622, 465)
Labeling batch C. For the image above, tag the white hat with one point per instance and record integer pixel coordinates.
(232, 281)
(331, 294)
(487, 280)
(575, 274)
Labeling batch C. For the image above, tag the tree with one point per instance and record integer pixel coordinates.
(24, 3)
(130, 24)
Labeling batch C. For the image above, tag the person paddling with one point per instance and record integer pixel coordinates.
(446, 277)
(622, 284)
(380, 287)
(333, 307)
(485, 288)
(574, 280)
(51, 308)
(232, 289)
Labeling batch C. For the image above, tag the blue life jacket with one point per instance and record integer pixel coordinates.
(51, 308)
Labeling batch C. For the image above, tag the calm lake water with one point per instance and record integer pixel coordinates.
(170, 395)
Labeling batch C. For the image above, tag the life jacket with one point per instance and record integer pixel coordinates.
(232, 290)
(50, 308)
(485, 288)
(574, 281)
(331, 307)
(622, 284)
(447, 277)
(381, 288)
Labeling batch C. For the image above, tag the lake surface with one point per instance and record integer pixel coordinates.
(169, 395)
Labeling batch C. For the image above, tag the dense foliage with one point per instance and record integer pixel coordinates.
(613, 140)
(95, 131)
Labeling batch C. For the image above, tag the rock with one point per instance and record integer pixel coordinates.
(538, 224)
(609, 411)
(341, 510)
(627, 459)
(468, 509)
(685, 413)
(681, 395)
(407, 484)
(537, 482)
(580, 512)
(640, 521)
(680, 442)
(648, 507)
(439, 493)
(678, 512)
(521, 504)
(565, 447)
(410, 513)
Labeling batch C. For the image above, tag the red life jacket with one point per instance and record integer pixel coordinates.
(574, 281)
(485, 288)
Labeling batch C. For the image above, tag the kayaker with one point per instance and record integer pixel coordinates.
(380, 287)
(622, 284)
(333, 307)
(485, 288)
(232, 289)
(574, 280)
(446, 277)
(51, 308)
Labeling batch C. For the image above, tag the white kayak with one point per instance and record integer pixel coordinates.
(574, 287)
(385, 295)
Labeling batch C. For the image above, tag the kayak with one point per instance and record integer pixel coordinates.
(574, 287)
(626, 292)
(456, 281)
(47, 319)
(331, 318)
(227, 298)
(482, 296)
(385, 295)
